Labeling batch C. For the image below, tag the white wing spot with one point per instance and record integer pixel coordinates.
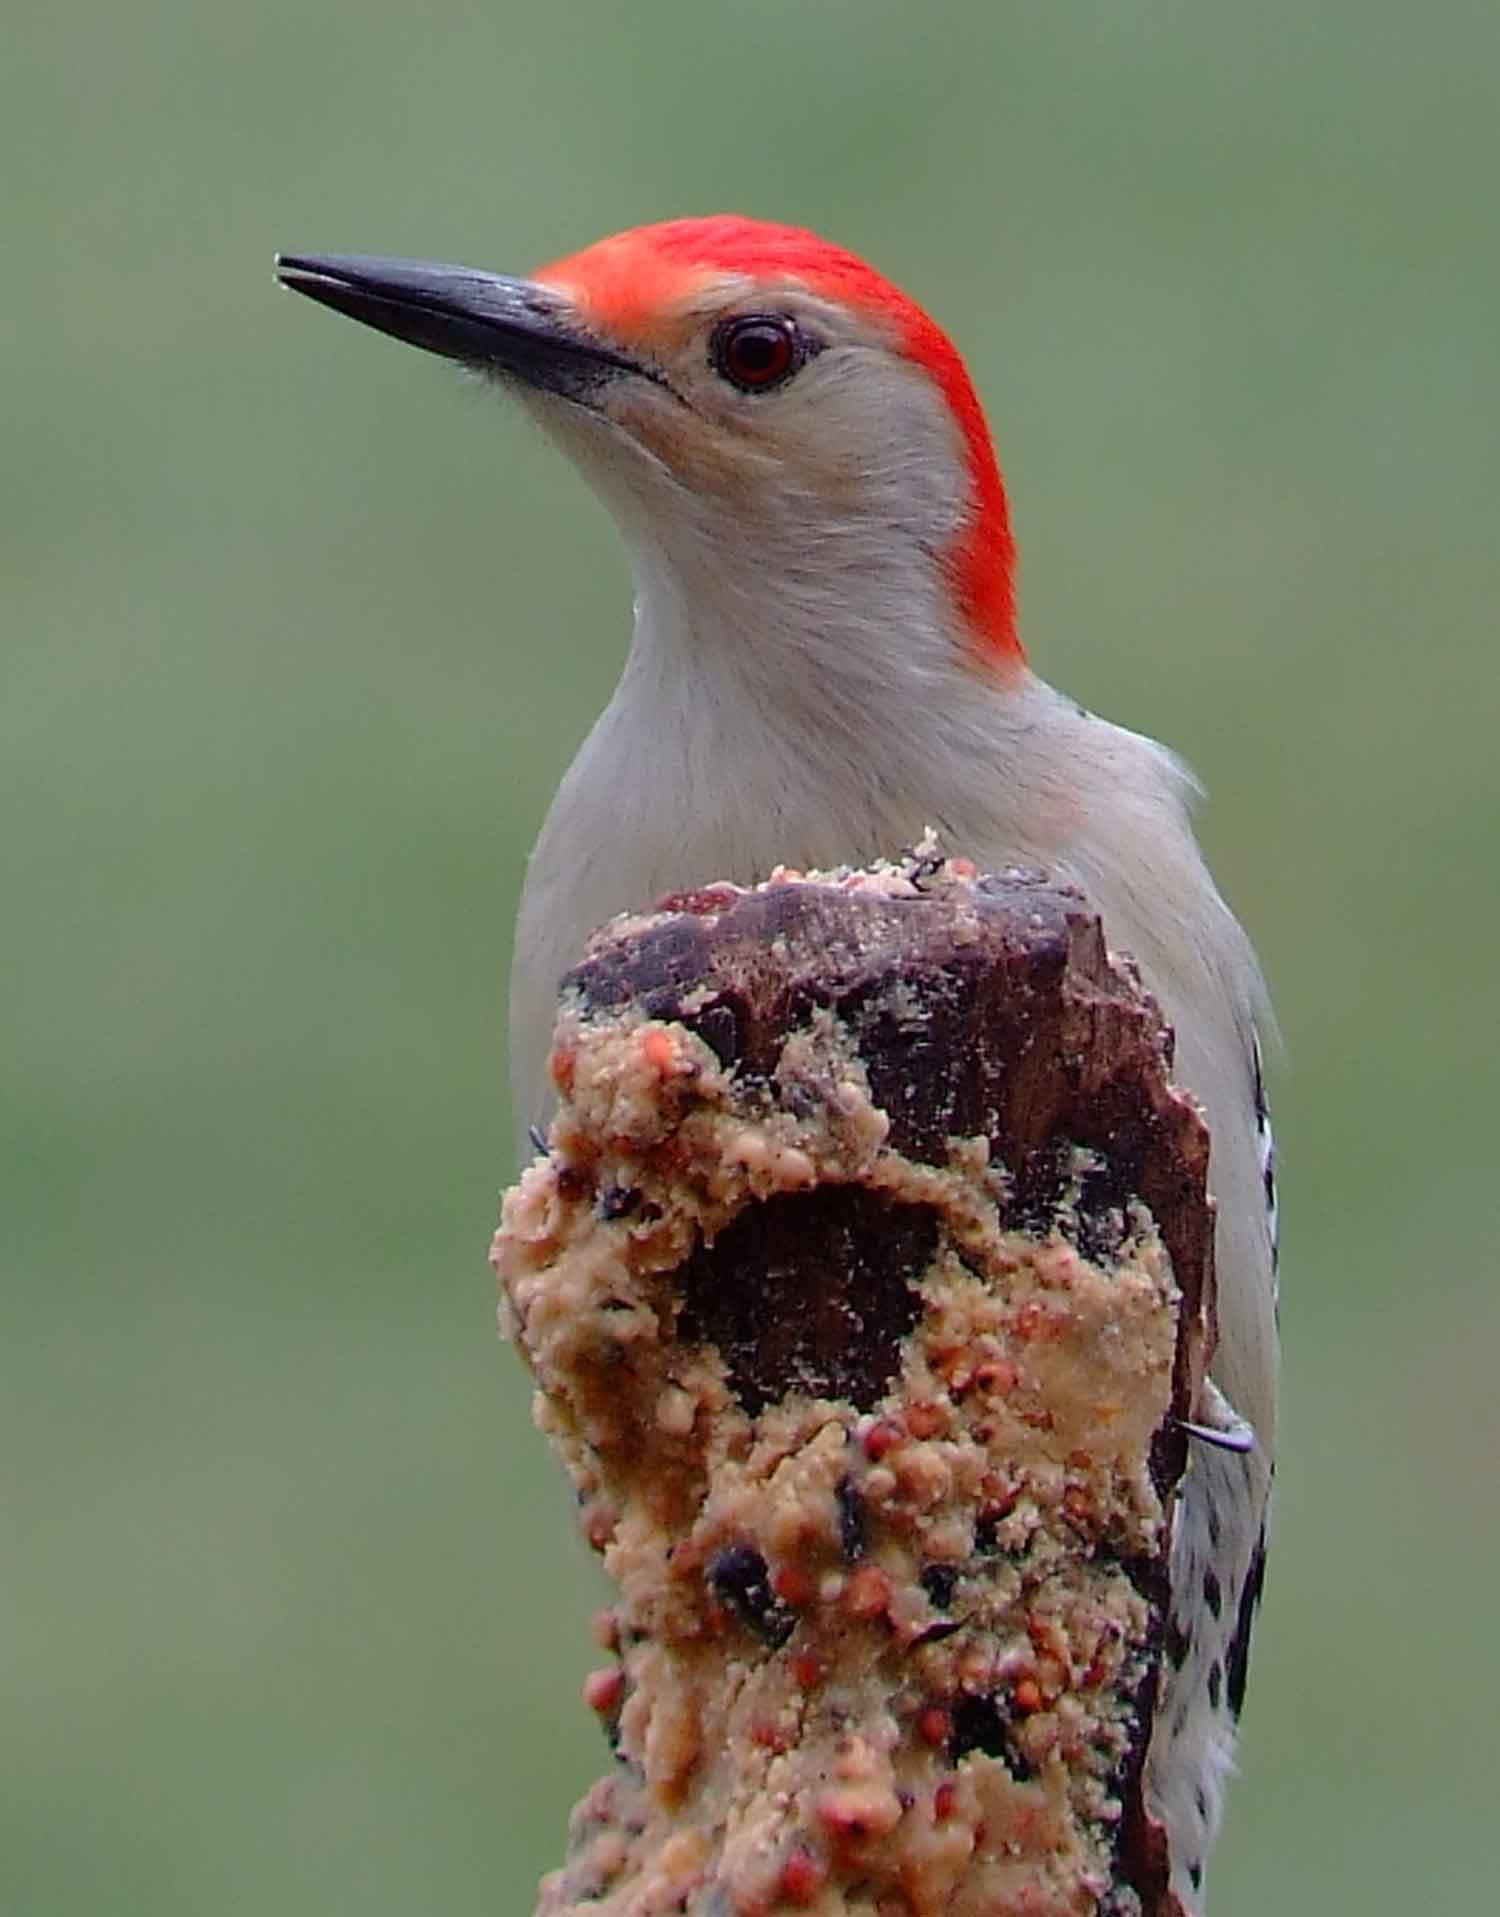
(1267, 1143)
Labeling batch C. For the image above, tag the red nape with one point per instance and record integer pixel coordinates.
(631, 277)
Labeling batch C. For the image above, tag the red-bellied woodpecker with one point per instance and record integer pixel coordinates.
(825, 664)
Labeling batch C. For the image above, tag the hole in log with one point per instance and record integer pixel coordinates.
(983, 1724)
(742, 1579)
(810, 1291)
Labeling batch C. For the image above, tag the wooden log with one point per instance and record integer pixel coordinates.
(863, 1283)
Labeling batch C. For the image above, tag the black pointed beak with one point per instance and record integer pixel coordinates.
(498, 325)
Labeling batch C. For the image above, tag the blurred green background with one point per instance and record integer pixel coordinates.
(299, 631)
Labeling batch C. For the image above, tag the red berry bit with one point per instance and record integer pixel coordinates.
(935, 1725)
(793, 1585)
(701, 901)
(602, 1690)
(868, 1592)
(881, 1438)
(802, 1877)
(659, 1052)
(807, 1670)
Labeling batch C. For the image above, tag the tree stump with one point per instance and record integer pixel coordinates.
(864, 1280)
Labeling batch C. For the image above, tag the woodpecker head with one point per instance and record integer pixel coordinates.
(752, 403)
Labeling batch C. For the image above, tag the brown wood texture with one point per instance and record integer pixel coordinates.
(995, 1012)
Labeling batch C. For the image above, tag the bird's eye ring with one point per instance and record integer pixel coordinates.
(757, 351)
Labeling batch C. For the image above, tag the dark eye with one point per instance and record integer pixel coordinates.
(757, 353)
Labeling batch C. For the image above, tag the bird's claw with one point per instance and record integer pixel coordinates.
(1223, 1427)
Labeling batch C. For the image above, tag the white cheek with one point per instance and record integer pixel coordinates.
(872, 439)
(857, 441)
(638, 489)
